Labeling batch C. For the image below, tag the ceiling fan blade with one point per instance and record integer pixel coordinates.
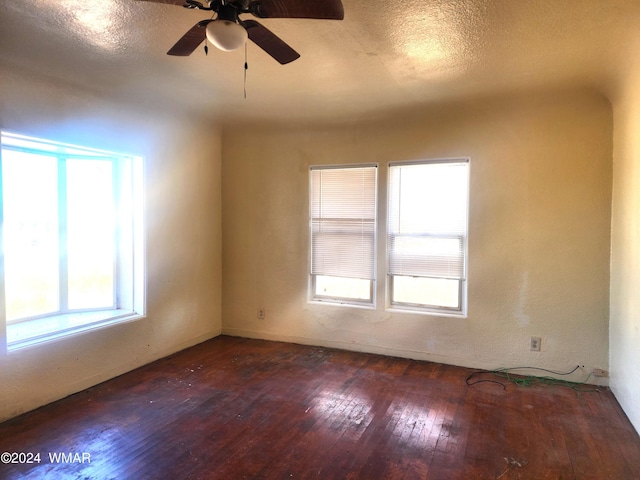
(321, 9)
(270, 42)
(190, 40)
(168, 2)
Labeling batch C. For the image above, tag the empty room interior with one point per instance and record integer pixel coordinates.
(323, 253)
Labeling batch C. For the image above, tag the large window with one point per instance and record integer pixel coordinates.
(343, 233)
(71, 238)
(427, 235)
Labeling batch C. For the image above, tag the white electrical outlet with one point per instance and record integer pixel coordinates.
(261, 313)
(534, 344)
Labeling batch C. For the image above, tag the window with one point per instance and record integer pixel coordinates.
(343, 231)
(71, 238)
(427, 235)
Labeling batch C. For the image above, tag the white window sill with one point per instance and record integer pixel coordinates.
(338, 303)
(40, 330)
(428, 312)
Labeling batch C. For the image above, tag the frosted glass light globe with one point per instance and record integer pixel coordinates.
(226, 35)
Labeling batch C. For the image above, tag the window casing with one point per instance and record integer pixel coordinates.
(72, 239)
(343, 233)
(427, 235)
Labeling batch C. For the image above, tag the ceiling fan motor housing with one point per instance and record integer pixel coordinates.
(228, 32)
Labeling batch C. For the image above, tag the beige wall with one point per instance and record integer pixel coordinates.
(625, 257)
(539, 232)
(183, 218)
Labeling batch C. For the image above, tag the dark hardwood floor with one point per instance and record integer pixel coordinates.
(234, 408)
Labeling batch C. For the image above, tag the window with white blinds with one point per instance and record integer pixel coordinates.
(427, 234)
(343, 233)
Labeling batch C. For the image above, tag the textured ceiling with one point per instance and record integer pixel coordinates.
(384, 56)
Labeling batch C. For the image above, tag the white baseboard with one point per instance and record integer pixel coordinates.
(395, 352)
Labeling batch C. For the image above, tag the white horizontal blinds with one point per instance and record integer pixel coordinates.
(427, 229)
(343, 221)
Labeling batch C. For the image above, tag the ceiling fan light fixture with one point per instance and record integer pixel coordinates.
(226, 35)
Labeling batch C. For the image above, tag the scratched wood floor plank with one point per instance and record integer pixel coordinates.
(234, 408)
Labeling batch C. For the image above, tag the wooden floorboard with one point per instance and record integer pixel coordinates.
(234, 408)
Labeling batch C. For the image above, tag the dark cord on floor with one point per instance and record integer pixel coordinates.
(528, 380)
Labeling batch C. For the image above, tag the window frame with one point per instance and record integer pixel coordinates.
(343, 300)
(333, 299)
(129, 276)
(428, 308)
(439, 310)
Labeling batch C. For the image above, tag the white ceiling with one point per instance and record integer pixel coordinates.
(385, 55)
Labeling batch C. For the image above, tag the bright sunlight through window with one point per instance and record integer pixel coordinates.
(72, 238)
(427, 235)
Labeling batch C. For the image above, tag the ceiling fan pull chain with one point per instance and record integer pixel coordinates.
(246, 67)
(206, 40)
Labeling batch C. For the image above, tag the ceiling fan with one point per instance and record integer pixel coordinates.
(228, 32)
